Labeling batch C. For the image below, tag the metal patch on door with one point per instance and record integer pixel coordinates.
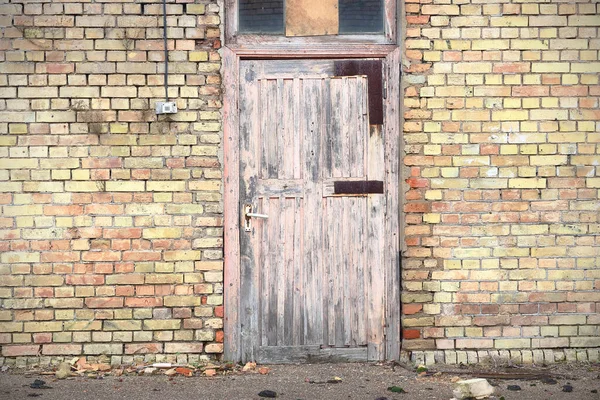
(357, 187)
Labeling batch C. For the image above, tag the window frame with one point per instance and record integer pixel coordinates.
(234, 38)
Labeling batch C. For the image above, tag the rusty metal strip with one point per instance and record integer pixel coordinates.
(357, 187)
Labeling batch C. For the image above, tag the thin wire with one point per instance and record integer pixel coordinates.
(166, 50)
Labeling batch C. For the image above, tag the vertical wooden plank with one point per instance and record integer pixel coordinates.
(299, 317)
(335, 127)
(346, 269)
(376, 242)
(231, 202)
(231, 22)
(345, 128)
(353, 127)
(270, 290)
(362, 264)
(311, 134)
(299, 226)
(392, 158)
(288, 133)
(248, 269)
(338, 281)
(390, 24)
(279, 130)
(288, 282)
(271, 131)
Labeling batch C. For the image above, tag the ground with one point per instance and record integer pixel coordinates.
(358, 381)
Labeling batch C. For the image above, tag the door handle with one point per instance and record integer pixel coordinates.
(248, 215)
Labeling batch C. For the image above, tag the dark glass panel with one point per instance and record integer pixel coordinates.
(361, 16)
(261, 16)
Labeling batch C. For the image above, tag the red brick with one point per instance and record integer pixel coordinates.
(85, 279)
(61, 349)
(143, 302)
(20, 350)
(124, 233)
(104, 302)
(411, 333)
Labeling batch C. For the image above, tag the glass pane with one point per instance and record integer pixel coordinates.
(361, 16)
(261, 16)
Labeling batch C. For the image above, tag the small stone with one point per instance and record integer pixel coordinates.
(63, 371)
(594, 391)
(514, 388)
(268, 394)
(478, 388)
(567, 388)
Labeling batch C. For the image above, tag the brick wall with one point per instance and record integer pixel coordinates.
(502, 206)
(111, 217)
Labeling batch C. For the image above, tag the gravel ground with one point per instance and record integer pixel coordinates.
(358, 381)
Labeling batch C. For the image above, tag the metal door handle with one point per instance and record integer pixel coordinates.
(248, 215)
(255, 215)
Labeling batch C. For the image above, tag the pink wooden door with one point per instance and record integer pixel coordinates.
(312, 272)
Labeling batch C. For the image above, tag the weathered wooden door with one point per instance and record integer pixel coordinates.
(312, 220)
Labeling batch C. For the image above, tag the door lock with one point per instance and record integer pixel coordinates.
(248, 215)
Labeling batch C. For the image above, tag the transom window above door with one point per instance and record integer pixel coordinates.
(311, 17)
(264, 22)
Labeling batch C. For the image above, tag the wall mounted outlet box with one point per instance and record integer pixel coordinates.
(169, 107)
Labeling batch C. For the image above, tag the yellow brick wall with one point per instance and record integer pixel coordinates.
(501, 132)
(110, 216)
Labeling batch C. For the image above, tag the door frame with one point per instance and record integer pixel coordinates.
(231, 56)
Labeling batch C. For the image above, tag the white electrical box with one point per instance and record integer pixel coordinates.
(169, 107)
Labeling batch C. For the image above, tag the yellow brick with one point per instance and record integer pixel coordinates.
(196, 56)
(432, 218)
(551, 67)
(17, 129)
(182, 255)
(195, 8)
(509, 115)
(528, 44)
(509, 21)
(205, 185)
(162, 233)
(462, 161)
(125, 186)
(551, 115)
(470, 115)
(185, 209)
(18, 163)
(80, 174)
(119, 127)
(527, 183)
(512, 103)
(490, 44)
(432, 149)
(588, 67)
(165, 186)
(61, 174)
(549, 160)
(19, 257)
(583, 20)
(75, 186)
(512, 343)
(10, 211)
(472, 67)
(449, 183)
